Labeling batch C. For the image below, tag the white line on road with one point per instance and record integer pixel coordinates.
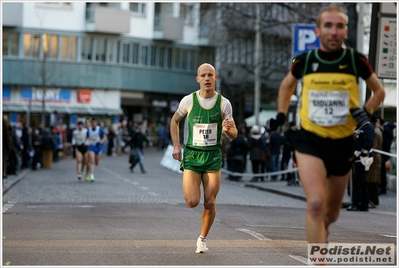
(384, 212)
(393, 236)
(254, 234)
(299, 258)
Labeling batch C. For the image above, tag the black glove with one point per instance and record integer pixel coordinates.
(360, 115)
(273, 123)
(98, 143)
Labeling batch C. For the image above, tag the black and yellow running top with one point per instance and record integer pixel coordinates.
(329, 90)
(205, 125)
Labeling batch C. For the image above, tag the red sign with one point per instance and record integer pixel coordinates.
(84, 96)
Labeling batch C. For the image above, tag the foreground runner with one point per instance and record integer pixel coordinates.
(329, 114)
(79, 137)
(208, 114)
(96, 137)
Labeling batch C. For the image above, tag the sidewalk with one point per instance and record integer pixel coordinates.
(387, 201)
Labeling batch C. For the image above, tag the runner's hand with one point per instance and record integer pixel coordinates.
(176, 154)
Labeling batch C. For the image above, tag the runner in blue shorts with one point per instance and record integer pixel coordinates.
(96, 137)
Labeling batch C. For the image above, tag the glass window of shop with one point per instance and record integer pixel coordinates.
(50, 46)
(31, 45)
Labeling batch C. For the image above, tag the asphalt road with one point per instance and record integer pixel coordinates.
(125, 219)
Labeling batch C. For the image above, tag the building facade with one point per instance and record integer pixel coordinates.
(114, 60)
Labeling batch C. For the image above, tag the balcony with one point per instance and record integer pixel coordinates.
(101, 19)
(12, 14)
(167, 27)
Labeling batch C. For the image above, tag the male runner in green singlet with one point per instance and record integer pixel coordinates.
(208, 114)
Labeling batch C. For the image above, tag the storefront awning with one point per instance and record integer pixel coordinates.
(23, 107)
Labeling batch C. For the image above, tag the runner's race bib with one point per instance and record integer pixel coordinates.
(328, 108)
(205, 134)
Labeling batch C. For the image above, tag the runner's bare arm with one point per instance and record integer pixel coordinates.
(174, 134)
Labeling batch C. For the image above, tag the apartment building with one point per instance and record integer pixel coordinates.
(111, 60)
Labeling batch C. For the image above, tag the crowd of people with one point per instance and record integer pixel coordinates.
(266, 151)
(38, 147)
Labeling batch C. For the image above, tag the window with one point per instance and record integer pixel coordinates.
(154, 55)
(135, 53)
(169, 57)
(5, 43)
(144, 54)
(191, 63)
(187, 13)
(125, 52)
(50, 46)
(161, 56)
(31, 45)
(111, 50)
(138, 8)
(68, 48)
(176, 62)
(184, 59)
(100, 49)
(87, 47)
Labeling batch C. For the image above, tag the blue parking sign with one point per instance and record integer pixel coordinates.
(304, 39)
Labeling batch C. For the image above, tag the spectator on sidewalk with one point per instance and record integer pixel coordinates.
(237, 153)
(374, 174)
(37, 148)
(275, 143)
(136, 143)
(48, 147)
(288, 147)
(256, 152)
(386, 147)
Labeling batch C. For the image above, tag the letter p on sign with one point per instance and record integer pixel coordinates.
(304, 39)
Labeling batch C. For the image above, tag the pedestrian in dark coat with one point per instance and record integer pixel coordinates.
(256, 147)
(136, 143)
(374, 174)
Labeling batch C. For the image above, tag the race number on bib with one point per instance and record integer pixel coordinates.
(205, 134)
(328, 108)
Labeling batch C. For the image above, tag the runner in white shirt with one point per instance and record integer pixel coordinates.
(79, 142)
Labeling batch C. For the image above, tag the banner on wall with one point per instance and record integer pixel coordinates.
(84, 96)
(6, 93)
(52, 95)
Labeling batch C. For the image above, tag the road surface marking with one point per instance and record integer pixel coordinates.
(299, 258)
(254, 234)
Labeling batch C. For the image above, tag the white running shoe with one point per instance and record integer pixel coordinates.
(201, 246)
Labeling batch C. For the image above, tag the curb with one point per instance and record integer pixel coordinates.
(295, 196)
(20, 177)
